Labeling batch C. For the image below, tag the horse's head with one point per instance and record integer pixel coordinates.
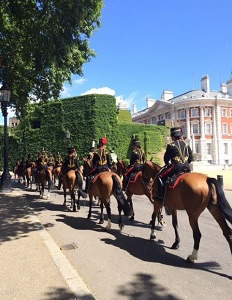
(150, 169)
(87, 166)
(121, 167)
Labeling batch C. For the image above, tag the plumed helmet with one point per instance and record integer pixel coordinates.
(103, 141)
(176, 132)
(71, 150)
(137, 143)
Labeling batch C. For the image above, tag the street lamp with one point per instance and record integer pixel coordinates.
(68, 137)
(5, 184)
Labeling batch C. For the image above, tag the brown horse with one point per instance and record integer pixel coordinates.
(194, 192)
(138, 187)
(30, 174)
(44, 177)
(70, 183)
(103, 186)
(56, 175)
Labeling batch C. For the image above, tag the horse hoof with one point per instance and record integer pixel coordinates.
(175, 246)
(132, 218)
(189, 260)
(121, 226)
(152, 237)
(74, 209)
(101, 222)
(78, 207)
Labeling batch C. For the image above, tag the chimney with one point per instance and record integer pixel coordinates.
(224, 88)
(134, 109)
(205, 84)
(167, 95)
(150, 102)
(229, 87)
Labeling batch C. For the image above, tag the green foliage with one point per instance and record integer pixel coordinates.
(124, 116)
(42, 43)
(88, 118)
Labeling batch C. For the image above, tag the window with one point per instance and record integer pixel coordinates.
(224, 128)
(208, 128)
(35, 124)
(223, 112)
(197, 147)
(208, 112)
(168, 115)
(195, 128)
(194, 112)
(181, 114)
(225, 148)
(208, 148)
(231, 113)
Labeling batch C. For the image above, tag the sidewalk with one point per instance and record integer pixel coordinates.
(32, 265)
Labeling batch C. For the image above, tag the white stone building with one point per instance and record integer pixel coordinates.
(205, 117)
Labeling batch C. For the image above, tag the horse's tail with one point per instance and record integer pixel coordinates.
(222, 201)
(122, 202)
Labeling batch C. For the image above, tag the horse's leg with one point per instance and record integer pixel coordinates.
(120, 223)
(90, 206)
(74, 200)
(157, 206)
(193, 220)
(101, 221)
(65, 195)
(108, 210)
(175, 226)
(129, 199)
(49, 189)
(78, 200)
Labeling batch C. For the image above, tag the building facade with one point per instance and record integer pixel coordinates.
(205, 117)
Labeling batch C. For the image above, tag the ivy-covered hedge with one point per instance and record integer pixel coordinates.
(88, 118)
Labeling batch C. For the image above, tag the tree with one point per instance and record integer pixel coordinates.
(44, 42)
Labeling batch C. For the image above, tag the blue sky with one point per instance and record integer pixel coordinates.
(145, 47)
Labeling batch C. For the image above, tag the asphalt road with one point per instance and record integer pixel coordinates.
(127, 265)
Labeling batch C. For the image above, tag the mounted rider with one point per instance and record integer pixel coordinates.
(177, 158)
(136, 162)
(59, 160)
(51, 160)
(71, 162)
(101, 161)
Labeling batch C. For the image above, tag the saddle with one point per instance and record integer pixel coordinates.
(173, 181)
(134, 176)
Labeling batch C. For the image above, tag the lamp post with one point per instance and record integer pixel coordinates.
(68, 137)
(5, 184)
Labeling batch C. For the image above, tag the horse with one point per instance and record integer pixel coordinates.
(70, 183)
(44, 176)
(29, 174)
(138, 187)
(56, 175)
(103, 186)
(193, 192)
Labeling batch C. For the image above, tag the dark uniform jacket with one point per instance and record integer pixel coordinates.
(101, 157)
(179, 154)
(70, 163)
(137, 156)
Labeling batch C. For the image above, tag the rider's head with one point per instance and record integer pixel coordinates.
(176, 133)
(71, 151)
(136, 144)
(102, 142)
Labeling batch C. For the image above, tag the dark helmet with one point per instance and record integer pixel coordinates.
(91, 149)
(176, 132)
(136, 143)
(71, 150)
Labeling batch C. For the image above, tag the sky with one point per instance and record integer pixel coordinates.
(145, 47)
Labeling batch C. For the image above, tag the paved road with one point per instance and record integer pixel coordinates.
(128, 265)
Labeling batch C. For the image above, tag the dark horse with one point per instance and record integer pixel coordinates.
(103, 186)
(137, 187)
(45, 176)
(194, 192)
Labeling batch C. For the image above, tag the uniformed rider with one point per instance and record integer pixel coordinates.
(177, 158)
(136, 162)
(72, 163)
(59, 161)
(51, 160)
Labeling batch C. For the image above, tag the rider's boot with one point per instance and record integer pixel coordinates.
(79, 185)
(160, 191)
(125, 182)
